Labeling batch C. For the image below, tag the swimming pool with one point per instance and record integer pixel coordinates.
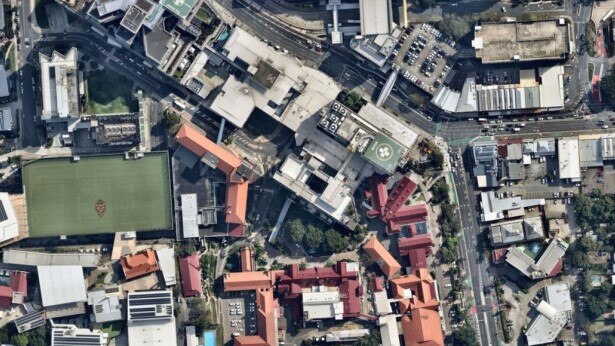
(210, 337)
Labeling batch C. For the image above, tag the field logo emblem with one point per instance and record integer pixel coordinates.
(100, 207)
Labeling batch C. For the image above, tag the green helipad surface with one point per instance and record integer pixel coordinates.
(97, 194)
(384, 152)
(181, 8)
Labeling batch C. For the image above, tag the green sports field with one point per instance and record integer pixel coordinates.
(98, 194)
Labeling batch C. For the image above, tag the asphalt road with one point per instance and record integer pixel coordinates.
(27, 78)
(474, 263)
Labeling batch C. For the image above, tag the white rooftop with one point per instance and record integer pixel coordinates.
(319, 305)
(375, 17)
(389, 331)
(382, 306)
(493, 208)
(59, 85)
(554, 313)
(190, 224)
(150, 318)
(569, 161)
(166, 261)
(61, 284)
(9, 227)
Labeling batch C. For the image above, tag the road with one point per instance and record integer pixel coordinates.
(27, 78)
(474, 263)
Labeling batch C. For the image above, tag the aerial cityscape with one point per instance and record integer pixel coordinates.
(307, 172)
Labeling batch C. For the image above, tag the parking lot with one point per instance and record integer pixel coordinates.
(424, 56)
(239, 314)
(542, 181)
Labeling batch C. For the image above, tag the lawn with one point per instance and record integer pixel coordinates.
(12, 63)
(109, 93)
(98, 194)
(204, 15)
(113, 328)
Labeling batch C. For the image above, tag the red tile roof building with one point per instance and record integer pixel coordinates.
(382, 257)
(378, 284)
(16, 291)
(417, 290)
(267, 309)
(422, 328)
(378, 194)
(290, 283)
(139, 264)
(294, 280)
(418, 300)
(400, 194)
(190, 271)
(391, 208)
(224, 160)
(247, 261)
(417, 248)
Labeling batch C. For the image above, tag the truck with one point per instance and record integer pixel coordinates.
(516, 129)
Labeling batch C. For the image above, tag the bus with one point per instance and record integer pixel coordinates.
(179, 104)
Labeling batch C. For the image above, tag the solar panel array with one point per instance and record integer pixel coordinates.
(30, 321)
(150, 306)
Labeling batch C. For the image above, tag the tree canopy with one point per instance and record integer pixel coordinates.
(607, 87)
(594, 210)
(296, 230)
(313, 237)
(334, 242)
(464, 336)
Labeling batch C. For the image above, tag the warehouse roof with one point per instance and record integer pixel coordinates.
(61, 284)
(521, 41)
(32, 258)
(375, 17)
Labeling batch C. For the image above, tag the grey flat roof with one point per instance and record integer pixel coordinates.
(156, 42)
(521, 41)
(32, 258)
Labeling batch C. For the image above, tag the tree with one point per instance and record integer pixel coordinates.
(313, 237)
(173, 121)
(351, 100)
(19, 340)
(605, 340)
(185, 249)
(580, 260)
(371, 339)
(436, 157)
(587, 244)
(334, 242)
(439, 192)
(594, 307)
(455, 26)
(464, 336)
(296, 230)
